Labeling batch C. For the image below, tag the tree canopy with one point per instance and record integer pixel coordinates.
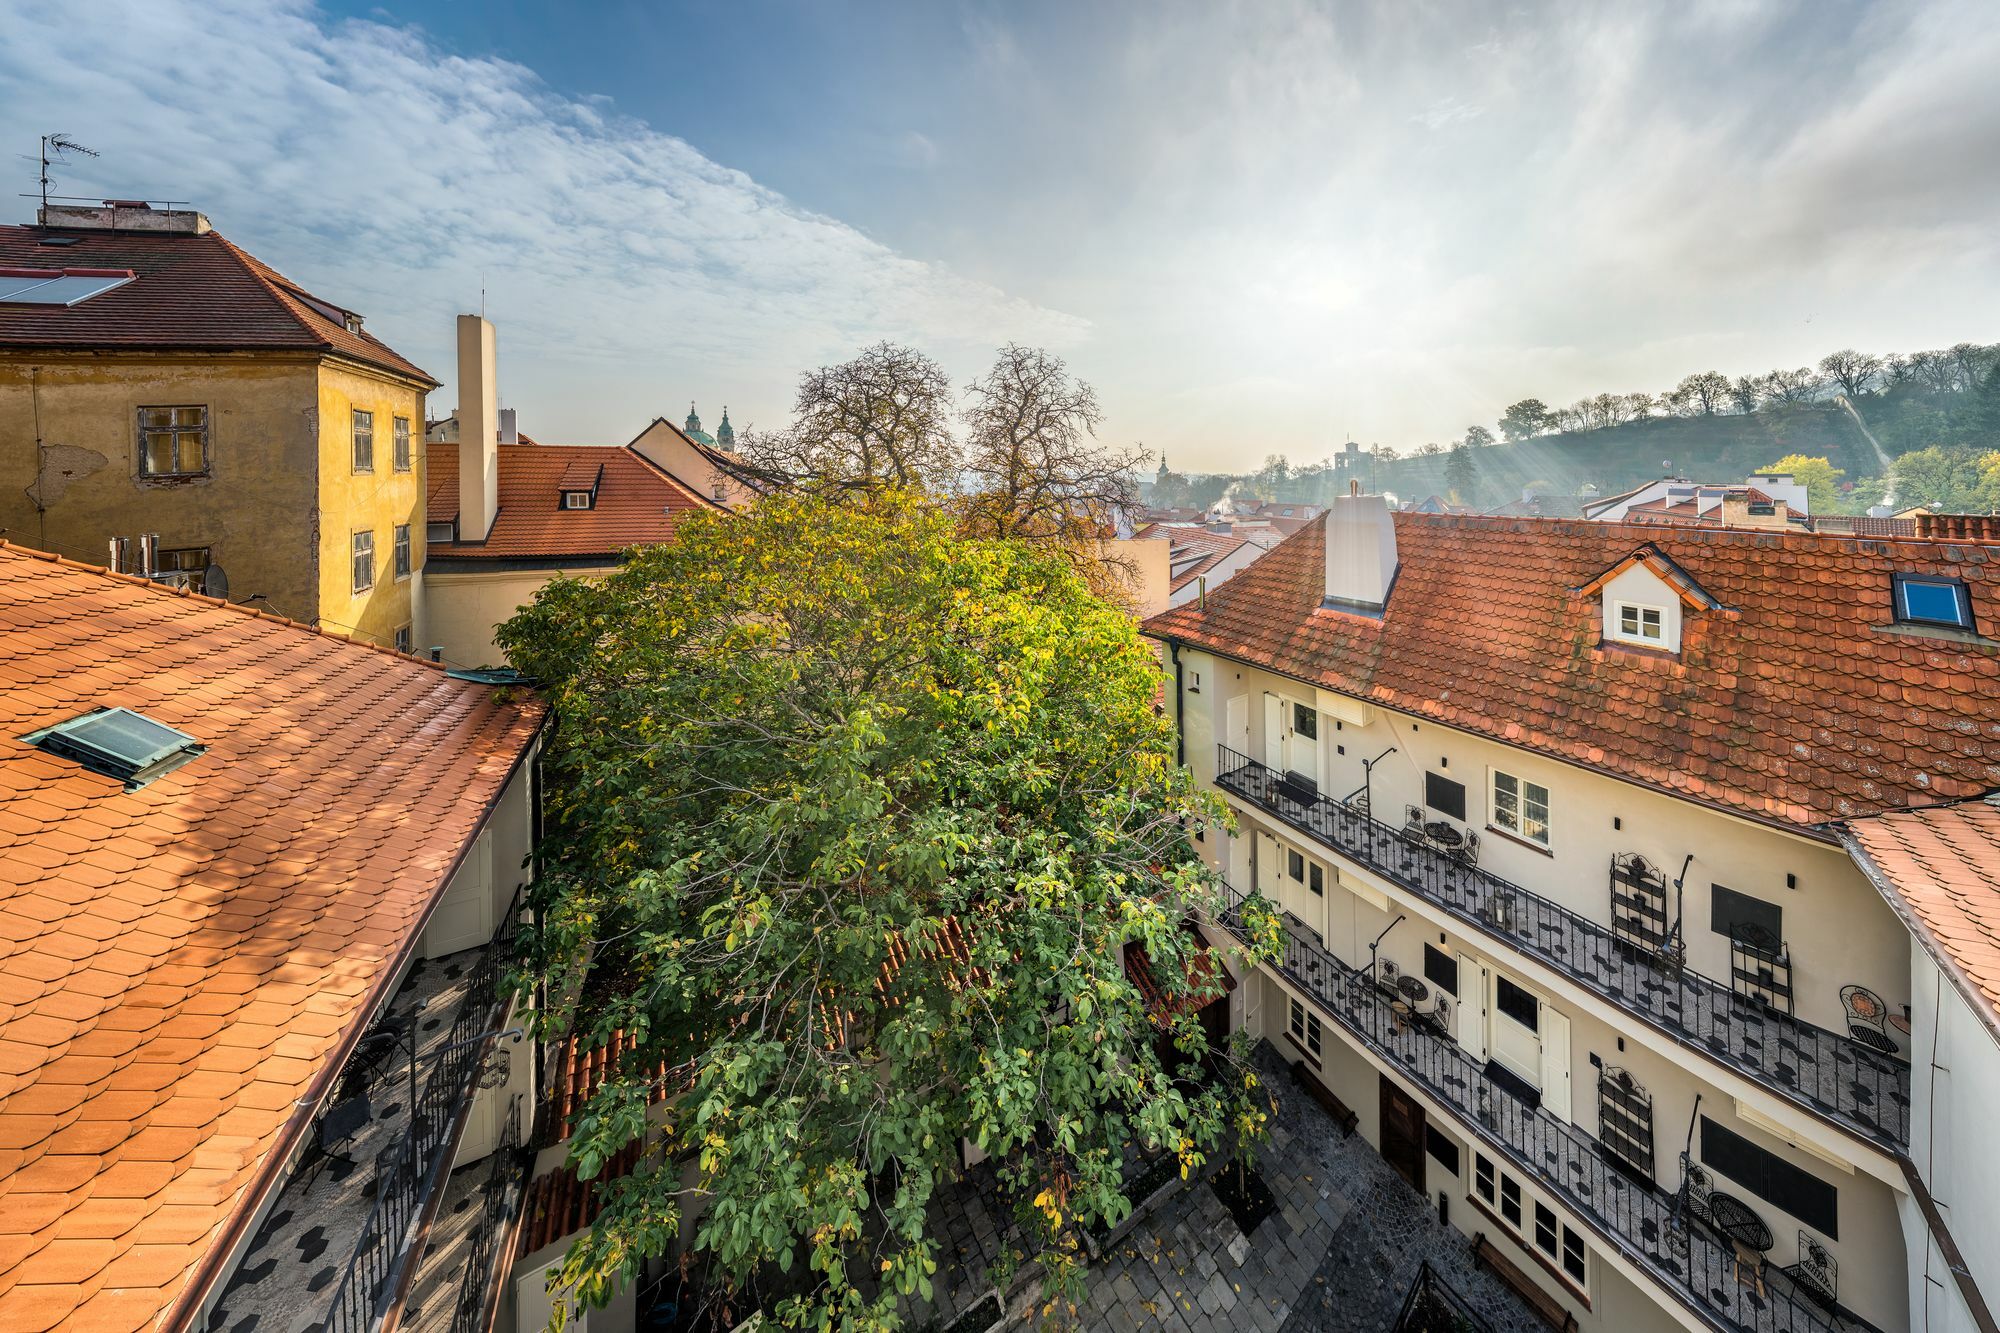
(851, 821)
(1819, 476)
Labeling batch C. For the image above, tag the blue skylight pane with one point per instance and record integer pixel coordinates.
(1938, 603)
(119, 743)
(22, 289)
(63, 291)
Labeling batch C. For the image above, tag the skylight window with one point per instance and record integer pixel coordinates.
(1933, 602)
(119, 743)
(64, 287)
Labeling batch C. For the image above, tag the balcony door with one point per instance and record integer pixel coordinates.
(1517, 1030)
(1469, 1007)
(1291, 737)
(1236, 725)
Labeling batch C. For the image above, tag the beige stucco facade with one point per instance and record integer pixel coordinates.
(278, 502)
(465, 606)
(669, 449)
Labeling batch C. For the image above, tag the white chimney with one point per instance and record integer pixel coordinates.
(1360, 551)
(509, 434)
(478, 430)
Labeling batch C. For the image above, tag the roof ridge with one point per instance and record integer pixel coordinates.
(188, 594)
(262, 274)
(686, 489)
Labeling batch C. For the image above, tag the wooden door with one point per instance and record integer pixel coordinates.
(1403, 1134)
(1274, 732)
(1555, 1062)
(1469, 1007)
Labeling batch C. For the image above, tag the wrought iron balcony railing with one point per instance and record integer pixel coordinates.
(1855, 1088)
(1641, 1223)
(409, 1173)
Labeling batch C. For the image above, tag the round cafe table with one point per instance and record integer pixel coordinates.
(1413, 989)
(1444, 835)
(1734, 1219)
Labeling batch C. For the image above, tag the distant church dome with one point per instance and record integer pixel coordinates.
(692, 426)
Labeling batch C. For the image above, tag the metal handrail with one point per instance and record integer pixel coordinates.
(498, 1205)
(407, 1173)
(1823, 1071)
(1689, 1261)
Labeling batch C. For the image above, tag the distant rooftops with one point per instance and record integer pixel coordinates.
(561, 502)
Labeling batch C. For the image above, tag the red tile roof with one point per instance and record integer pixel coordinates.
(197, 293)
(1212, 548)
(183, 967)
(1791, 702)
(637, 502)
(1940, 868)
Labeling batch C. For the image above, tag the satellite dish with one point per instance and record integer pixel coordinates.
(215, 583)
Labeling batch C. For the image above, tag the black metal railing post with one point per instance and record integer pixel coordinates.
(1852, 1086)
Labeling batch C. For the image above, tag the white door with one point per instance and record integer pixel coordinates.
(1270, 867)
(1239, 862)
(1274, 732)
(1469, 1016)
(1555, 1063)
(1516, 1030)
(1236, 732)
(1303, 753)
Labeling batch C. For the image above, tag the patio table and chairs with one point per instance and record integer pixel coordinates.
(1749, 1233)
(1868, 1020)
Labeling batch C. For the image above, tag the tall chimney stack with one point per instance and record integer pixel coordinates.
(1360, 552)
(478, 429)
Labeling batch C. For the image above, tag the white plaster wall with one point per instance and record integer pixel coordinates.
(1954, 1094)
(1642, 586)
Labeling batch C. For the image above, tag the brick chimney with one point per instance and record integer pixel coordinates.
(1360, 552)
(478, 429)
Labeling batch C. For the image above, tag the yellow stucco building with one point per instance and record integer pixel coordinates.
(157, 380)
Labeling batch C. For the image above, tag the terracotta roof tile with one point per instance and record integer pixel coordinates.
(1789, 702)
(183, 982)
(191, 292)
(1942, 867)
(637, 502)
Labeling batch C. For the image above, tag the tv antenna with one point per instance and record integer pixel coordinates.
(58, 144)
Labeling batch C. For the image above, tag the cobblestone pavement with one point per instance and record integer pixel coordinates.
(1340, 1252)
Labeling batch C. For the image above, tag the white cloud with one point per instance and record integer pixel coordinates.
(396, 178)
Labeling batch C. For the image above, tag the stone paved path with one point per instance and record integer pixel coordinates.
(1343, 1247)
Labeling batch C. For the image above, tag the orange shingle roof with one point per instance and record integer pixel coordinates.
(1211, 548)
(637, 502)
(1789, 701)
(191, 292)
(1942, 867)
(183, 967)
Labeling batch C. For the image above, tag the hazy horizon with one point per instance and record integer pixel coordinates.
(1256, 229)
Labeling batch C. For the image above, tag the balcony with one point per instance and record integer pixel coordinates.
(1861, 1091)
(1640, 1223)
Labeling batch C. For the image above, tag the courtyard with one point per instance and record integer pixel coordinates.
(1340, 1251)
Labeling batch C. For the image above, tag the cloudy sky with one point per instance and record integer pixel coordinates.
(1256, 228)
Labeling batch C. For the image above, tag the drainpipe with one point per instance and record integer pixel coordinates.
(1180, 727)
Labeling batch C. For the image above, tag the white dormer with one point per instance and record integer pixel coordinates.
(1640, 609)
(1643, 601)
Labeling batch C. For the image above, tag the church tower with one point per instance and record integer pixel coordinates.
(725, 434)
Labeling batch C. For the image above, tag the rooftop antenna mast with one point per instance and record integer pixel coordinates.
(58, 144)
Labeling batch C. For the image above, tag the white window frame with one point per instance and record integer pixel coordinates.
(1615, 624)
(1511, 805)
(1304, 1026)
(570, 499)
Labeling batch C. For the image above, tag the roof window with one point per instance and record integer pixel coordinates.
(53, 286)
(119, 743)
(1922, 601)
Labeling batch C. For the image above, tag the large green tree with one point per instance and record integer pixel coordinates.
(851, 821)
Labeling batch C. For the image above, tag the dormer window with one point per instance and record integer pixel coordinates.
(1639, 624)
(577, 487)
(1923, 601)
